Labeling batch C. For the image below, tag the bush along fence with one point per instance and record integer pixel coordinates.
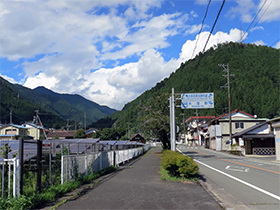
(74, 165)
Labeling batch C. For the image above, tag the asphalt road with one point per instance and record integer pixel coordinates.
(138, 186)
(253, 182)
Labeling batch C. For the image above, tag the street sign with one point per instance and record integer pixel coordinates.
(197, 100)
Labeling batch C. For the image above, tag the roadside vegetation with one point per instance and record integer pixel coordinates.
(33, 199)
(178, 167)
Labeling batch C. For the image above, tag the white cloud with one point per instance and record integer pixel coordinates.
(277, 46)
(70, 43)
(219, 37)
(194, 14)
(201, 2)
(194, 29)
(31, 28)
(9, 79)
(257, 28)
(117, 86)
(243, 10)
(270, 11)
(247, 10)
(259, 42)
(41, 80)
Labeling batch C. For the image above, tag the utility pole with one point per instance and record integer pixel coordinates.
(197, 131)
(11, 122)
(85, 121)
(172, 122)
(36, 136)
(226, 69)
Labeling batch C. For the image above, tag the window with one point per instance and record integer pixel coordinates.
(239, 125)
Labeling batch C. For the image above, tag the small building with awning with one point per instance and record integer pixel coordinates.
(256, 140)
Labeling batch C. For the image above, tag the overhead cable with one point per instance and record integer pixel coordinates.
(253, 20)
(214, 25)
(198, 35)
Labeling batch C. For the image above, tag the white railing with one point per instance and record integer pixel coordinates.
(72, 165)
(13, 176)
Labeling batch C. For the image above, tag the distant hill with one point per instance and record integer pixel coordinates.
(77, 103)
(255, 86)
(54, 108)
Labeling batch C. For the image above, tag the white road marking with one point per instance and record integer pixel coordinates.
(237, 168)
(241, 181)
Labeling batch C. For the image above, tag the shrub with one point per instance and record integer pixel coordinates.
(178, 165)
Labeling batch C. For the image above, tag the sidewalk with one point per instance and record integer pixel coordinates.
(138, 186)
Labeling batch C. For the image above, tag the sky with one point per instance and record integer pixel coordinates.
(111, 51)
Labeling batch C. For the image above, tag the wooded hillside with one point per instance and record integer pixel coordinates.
(255, 87)
(55, 108)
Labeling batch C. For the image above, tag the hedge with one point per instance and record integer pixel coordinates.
(178, 165)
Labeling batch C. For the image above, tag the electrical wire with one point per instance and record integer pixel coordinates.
(213, 26)
(261, 16)
(253, 20)
(198, 34)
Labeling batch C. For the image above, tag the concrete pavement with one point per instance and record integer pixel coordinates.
(139, 186)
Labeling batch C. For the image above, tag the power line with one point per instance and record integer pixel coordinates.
(201, 27)
(214, 25)
(258, 20)
(274, 42)
(253, 20)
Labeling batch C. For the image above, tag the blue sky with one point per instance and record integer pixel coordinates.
(112, 51)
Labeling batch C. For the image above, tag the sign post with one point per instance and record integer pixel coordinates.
(188, 101)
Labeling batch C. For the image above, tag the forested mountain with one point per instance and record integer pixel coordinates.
(55, 108)
(255, 86)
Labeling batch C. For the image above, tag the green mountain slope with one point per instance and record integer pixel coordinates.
(255, 87)
(80, 104)
(51, 104)
(11, 101)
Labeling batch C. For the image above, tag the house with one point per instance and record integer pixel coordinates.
(197, 130)
(62, 134)
(256, 140)
(12, 131)
(36, 131)
(138, 138)
(219, 130)
(89, 132)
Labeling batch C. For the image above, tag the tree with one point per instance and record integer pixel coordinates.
(112, 133)
(96, 134)
(79, 134)
(155, 121)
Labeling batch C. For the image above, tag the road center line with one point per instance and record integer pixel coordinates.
(239, 180)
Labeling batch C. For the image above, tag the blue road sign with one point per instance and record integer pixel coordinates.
(197, 100)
